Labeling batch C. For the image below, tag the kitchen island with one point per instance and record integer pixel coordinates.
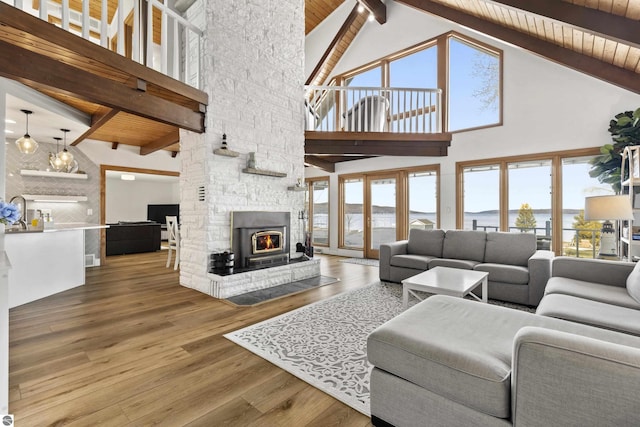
(45, 262)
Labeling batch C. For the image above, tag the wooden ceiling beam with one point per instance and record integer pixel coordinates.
(12, 17)
(377, 143)
(601, 70)
(167, 140)
(600, 23)
(97, 121)
(27, 67)
(320, 163)
(342, 32)
(378, 9)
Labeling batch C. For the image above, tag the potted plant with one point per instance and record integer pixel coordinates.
(625, 131)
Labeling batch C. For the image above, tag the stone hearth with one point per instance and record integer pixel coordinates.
(240, 283)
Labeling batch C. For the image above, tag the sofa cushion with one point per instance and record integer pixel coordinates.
(425, 242)
(633, 283)
(419, 262)
(509, 248)
(615, 295)
(590, 312)
(512, 274)
(464, 244)
(453, 263)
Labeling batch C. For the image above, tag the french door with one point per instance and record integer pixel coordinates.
(383, 220)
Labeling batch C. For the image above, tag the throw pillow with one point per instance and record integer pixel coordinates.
(633, 283)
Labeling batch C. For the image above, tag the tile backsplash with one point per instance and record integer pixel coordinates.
(16, 184)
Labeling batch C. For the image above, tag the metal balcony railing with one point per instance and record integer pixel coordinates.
(146, 31)
(373, 109)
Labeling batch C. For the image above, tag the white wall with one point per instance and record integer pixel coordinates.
(128, 200)
(547, 107)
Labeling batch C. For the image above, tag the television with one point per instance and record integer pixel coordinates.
(159, 213)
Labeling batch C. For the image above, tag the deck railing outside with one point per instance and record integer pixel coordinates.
(373, 109)
(574, 247)
(169, 43)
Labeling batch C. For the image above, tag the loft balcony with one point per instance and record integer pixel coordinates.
(133, 66)
(346, 122)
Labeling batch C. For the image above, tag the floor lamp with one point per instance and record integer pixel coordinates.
(608, 208)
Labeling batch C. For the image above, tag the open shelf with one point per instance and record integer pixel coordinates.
(65, 175)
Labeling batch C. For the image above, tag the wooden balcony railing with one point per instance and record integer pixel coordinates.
(145, 31)
(373, 109)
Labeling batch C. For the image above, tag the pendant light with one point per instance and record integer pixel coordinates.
(64, 155)
(26, 144)
(56, 161)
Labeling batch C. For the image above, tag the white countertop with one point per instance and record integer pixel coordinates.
(69, 226)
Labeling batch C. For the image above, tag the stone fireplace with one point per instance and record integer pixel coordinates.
(254, 81)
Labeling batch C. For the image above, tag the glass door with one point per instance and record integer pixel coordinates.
(381, 212)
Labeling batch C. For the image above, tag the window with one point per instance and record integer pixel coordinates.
(352, 198)
(540, 193)
(474, 85)
(318, 206)
(423, 199)
(473, 94)
(530, 211)
(381, 206)
(481, 198)
(579, 237)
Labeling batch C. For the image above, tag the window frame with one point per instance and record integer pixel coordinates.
(403, 198)
(310, 204)
(556, 158)
(441, 42)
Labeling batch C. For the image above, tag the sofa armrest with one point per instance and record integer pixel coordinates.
(539, 272)
(564, 379)
(613, 273)
(388, 250)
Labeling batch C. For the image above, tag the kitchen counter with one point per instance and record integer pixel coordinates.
(45, 262)
(56, 227)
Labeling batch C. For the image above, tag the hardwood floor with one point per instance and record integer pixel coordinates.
(132, 348)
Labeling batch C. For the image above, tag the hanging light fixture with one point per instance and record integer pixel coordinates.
(26, 144)
(56, 162)
(65, 155)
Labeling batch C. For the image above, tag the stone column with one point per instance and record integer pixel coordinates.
(253, 71)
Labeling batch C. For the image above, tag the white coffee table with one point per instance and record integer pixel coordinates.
(446, 281)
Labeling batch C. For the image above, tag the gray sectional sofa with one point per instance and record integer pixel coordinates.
(594, 292)
(575, 362)
(517, 271)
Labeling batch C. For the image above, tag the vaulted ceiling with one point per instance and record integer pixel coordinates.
(598, 37)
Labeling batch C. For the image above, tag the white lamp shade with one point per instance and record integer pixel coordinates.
(600, 208)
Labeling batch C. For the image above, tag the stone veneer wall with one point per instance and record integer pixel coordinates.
(253, 71)
(62, 212)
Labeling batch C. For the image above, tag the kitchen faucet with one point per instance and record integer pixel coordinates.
(23, 211)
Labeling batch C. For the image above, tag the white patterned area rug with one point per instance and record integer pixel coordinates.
(324, 343)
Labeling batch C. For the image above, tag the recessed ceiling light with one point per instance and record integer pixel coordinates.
(8, 131)
(360, 8)
(12, 122)
(127, 177)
